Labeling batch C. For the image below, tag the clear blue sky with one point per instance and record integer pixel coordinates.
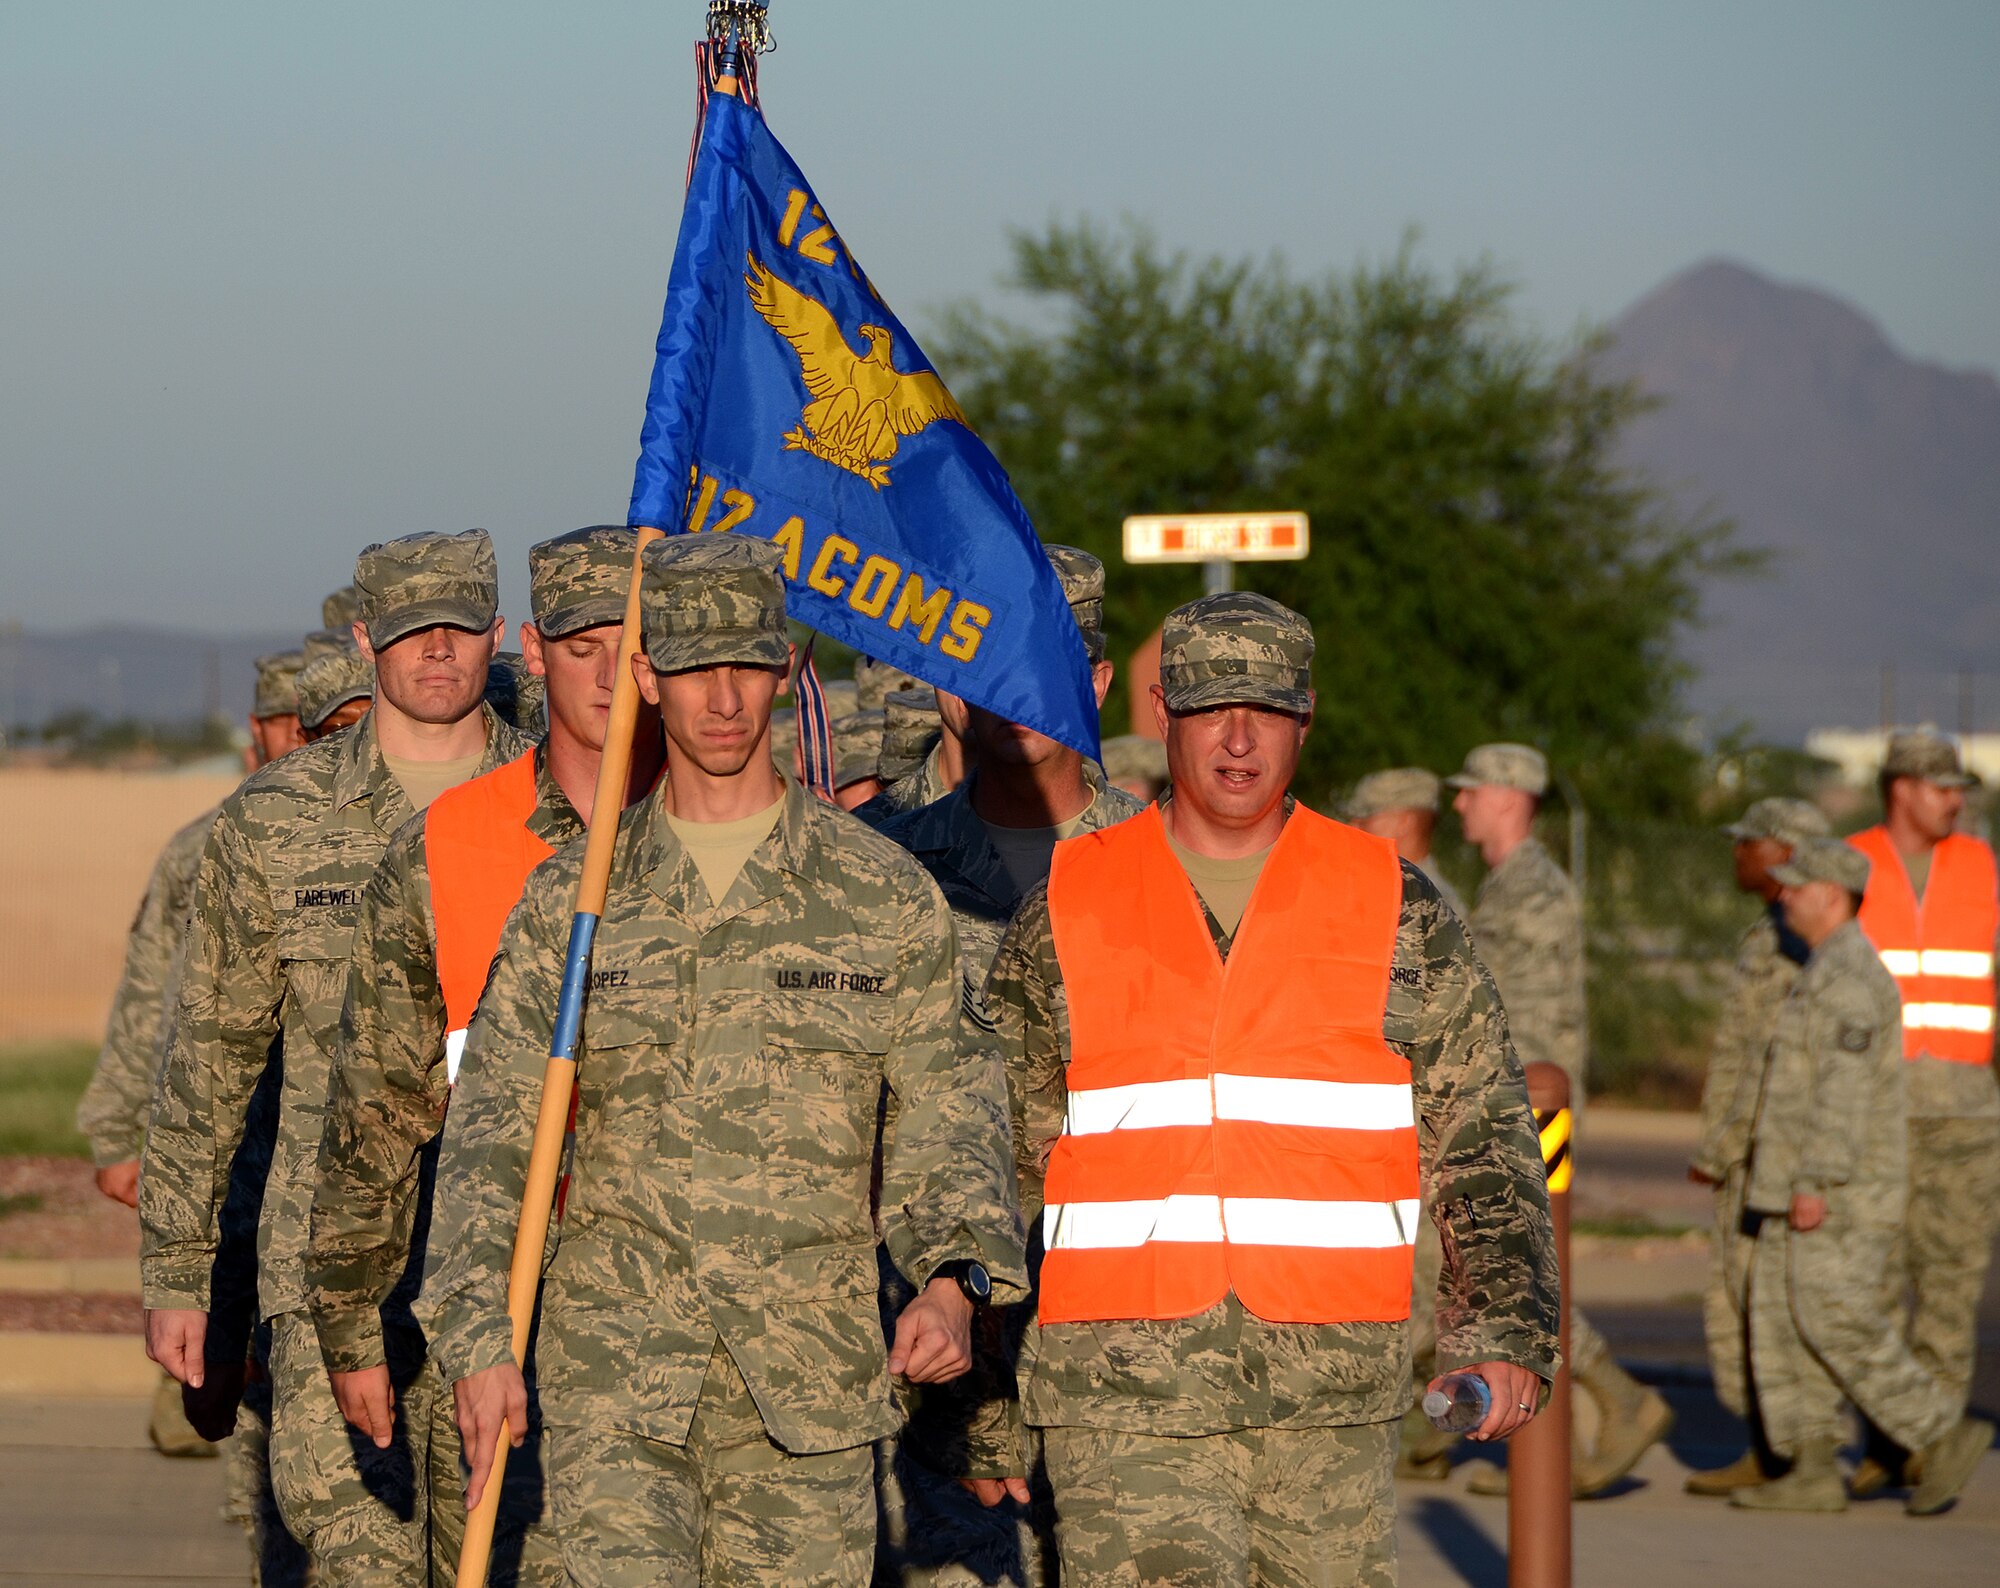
(277, 280)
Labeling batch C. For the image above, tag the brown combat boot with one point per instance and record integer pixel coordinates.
(1949, 1463)
(1884, 1464)
(1813, 1484)
(1718, 1483)
(1634, 1419)
(168, 1427)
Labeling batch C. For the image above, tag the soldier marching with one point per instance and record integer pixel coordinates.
(844, 1094)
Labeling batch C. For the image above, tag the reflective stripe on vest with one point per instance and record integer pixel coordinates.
(1940, 950)
(1237, 1126)
(479, 851)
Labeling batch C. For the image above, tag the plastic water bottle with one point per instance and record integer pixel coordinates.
(1459, 1404)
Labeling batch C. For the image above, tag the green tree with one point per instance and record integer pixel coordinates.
(1480, 569)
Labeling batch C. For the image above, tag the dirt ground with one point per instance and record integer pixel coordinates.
(75, 851)
(51, 1207)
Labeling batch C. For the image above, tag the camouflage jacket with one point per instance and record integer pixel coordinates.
(1227, 1368)
(276, 900)
(950, 842)
(911, 792)
(113, 1109)
(1528, 925)
(730, 1071)
(387, 1101)
(1758, 986)
(1831, 1119)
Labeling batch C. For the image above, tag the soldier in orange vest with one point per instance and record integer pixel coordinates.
(1932, 911)
(429, 925)
(1241, 1038)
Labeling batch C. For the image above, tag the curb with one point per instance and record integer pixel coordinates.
(85, 1366)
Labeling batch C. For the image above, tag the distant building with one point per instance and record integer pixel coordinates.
(1858, 752)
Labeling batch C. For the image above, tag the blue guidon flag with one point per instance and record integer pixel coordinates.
(789, 402)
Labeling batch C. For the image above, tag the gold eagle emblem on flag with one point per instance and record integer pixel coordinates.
(861, 402)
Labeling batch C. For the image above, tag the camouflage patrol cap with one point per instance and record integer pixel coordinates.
(330, 680)
(1519, 766)
(278, 684)
(857, 746)
(325, 642)
(579, 581)
(1236, 649)
(517, 696)
(875, 682)
(843, 698)
(1400, 788)
(909, 729)
(1824, 860)
(341, 610)
(1923, 752)
(1134, 756)
(1789, 821)
(427, 581)
(1082, 577)
(712, 600)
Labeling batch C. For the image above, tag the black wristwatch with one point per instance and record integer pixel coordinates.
(970, 1275)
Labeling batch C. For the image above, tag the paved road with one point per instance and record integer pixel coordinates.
(84, 1500)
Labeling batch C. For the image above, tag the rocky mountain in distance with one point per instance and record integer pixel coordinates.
(1873, 479)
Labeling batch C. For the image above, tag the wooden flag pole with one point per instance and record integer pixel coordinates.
(559, 1078)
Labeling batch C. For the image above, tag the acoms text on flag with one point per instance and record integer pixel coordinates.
(788, 401)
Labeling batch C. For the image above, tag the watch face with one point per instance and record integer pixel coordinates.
(978, 1283)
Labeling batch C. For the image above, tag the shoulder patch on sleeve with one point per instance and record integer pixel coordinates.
(1856, 1038)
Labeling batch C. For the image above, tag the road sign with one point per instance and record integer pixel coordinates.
(1216, 537)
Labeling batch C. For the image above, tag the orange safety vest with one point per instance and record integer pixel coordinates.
(1940, 950)
(1231, 1126)
(480, 851)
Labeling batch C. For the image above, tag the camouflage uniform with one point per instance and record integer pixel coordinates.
(278, 685)
(112, 1111)
(875, 682)
(1768, 957)
(1528, 925)
(1830, 1123)
(341, 610)
(330, 681)
(278, 893)
(710, 1358)
(391, 1083)
(911, 763)
(1760, 982)
(926, 1517)
(1222, 1447)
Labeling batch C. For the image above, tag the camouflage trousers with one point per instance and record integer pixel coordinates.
(1725, 1303)
(277, 1560)
(390, 1518)
(1948, 1242)
(1819, 1335)
(726, 1509)
(1250, 1508)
